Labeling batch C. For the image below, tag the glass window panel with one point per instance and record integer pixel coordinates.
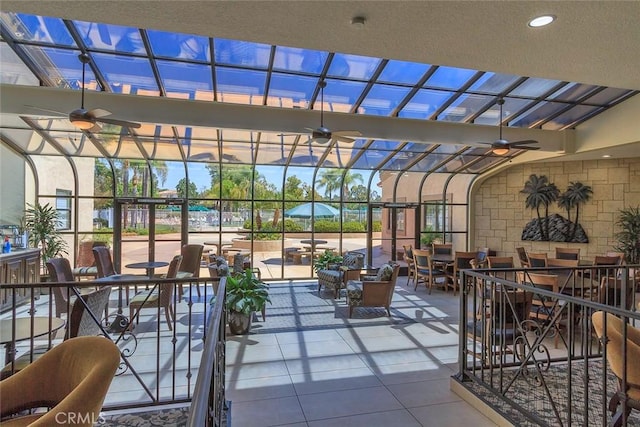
(452, 164)
(370, 159)
(167, 176)
(307, 154)
(182, 80)
(450, 77)
(13, 70)
(75, 143)
(428, 163)
(298, 184)
(297, 59)
(340, 95)
(492, 115)
(400, 160)
(403, 72)
(382, 99)
(27, 140)
(199, 175)
(42, 29)
(572, 92)
(159, 148)
(339, 156)
(353, 66)
(115, 38)
(127, 74)
(236, 52)
(176, 45)
(568, 117)
(534, 87)
(236, 181)
(102, 183)
(278, 138)
(62, 66)
(240, 86)
(276, 154)
(607, 96)
(289, 91)
(271, 179)
(493, 83)
(238, 152)
(424, 103)
(537, 113)
(201, 151)
(464, 107)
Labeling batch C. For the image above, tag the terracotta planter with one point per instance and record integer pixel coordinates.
(239, 323)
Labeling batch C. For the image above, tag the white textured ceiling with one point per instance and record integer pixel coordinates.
(595, 42)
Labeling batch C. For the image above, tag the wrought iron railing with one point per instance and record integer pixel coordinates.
(209, 406)
(158, 362)
(531, 352)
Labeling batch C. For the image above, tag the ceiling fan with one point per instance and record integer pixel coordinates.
(501, 147)
(90, 119)
(323, 135)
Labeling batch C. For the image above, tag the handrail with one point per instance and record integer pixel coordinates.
(208, 396)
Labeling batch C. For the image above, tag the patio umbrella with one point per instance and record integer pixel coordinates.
(320, 210)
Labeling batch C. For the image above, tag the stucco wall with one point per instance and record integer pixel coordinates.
(499, 214)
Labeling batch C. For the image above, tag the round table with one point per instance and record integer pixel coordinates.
(148, 265)
(41, 326)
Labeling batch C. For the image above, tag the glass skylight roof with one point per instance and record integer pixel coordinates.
(153, 63)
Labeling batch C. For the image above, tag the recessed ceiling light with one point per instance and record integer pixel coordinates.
(358, 21)
(606, 156)
(541, 21)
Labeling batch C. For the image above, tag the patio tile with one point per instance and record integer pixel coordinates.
(397, 418)
(450, 414)
(349, 402)
(423, 393)
(324, 363)
(344, 379)
(267, 412)
(259, 388)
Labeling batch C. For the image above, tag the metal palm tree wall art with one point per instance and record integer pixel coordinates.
(541, 194)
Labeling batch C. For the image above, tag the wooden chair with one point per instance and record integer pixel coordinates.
(543, 308)
(373, 293)
(408, 258)
(567, 253)
(623, 359)
(522, 256)
(60, 271)
(442, 248)
(104, 263)
(424, 269)
(481, 257)
(71, 379)
(499, 321)
(537, 259)
(461, 261)
(161, 297)
(616, 254)
(611, 292)
(500, 262)
(190, 265)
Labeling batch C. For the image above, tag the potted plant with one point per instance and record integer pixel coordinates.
(327, 259)
(41, 223)
(428, 237)
(629, 234)
(245, 295)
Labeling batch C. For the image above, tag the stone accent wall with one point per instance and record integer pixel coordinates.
(499, 214)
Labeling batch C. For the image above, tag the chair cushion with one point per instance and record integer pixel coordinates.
(85, 271)
(353, 260)
(141, 296)
(183, 274)
(384, 273)
(330, 275)
(354, 292)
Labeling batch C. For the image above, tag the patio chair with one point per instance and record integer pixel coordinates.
(462, 261)
(190, 265)
(60, 271)
(618, 353)
(545, 309)
(71, 379)
(104, 263)
(162, 297)
(373, 293)
(85, 261)
(333, 278)
(424, 269)
(408, 258)
(522, 256)
(567, 253)
(500, 321)
(537, 259)
(442, 248)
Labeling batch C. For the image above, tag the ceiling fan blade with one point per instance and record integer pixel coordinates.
(96, 128)
(526, 141)
(343, 139)
(523, 147)
(347, 133)
(98, 112)
(116, 122)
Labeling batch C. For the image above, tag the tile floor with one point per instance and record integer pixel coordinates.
(308, 364)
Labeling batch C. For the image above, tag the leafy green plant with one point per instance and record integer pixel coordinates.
(428, 236)
(629, 234)
(326, 226)
(326, 259)
(245, 293)
(42, 222)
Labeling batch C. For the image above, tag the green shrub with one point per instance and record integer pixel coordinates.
(353, 227)
(326, 226)
(376, 226)
(290, 226)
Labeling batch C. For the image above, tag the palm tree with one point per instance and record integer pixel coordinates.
(565, 202)
(330, 181)
(348, 181)
(534, 188)
(551, 194)
(579, 194)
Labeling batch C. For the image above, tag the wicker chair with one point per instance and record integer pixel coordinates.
(335, 277)
(373, 293)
